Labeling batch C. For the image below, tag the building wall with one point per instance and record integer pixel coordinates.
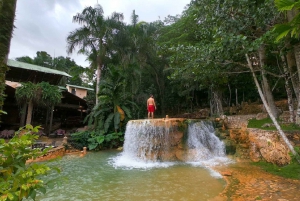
(81, 93)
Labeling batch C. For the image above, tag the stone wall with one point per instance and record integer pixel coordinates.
(51, 154)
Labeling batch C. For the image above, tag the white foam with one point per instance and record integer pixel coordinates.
(128, 162)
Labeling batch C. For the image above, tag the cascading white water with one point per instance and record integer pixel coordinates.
(145, 140)
(161, 142)
(203, 142)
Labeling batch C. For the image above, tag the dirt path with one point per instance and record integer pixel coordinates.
(247, 183)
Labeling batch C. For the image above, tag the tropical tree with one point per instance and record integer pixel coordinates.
(112, 111)
(42, 94)
(7, 17)
(25, 59)
(287, 30)
(234, 32)
(107, 120)
(43, 59)
(94, 36)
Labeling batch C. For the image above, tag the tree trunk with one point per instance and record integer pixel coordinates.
(23, 115)
(297, 57)
(265, 84)
(51, 119)
(281, 133)
(288, 90)
(7, 17)
(291, 60)
(216, 102)
(229, 102)
(29, 112)
(236, 97)
(99, 70)
(292, 67)
(47, 116)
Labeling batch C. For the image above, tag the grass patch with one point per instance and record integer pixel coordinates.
(254, 123)
(291, 171)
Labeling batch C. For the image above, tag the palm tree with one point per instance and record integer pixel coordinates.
(113, 105)
(7, 17)
(94, 36)
(42, 94)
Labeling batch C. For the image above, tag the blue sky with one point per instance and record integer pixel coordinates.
(43, 25)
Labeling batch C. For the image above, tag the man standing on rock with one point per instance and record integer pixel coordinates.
(151, 107)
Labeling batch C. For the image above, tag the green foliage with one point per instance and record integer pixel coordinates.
(289, 28)
(7, 16)
(285, 5)
(42, 94)
(27, 92)
(289, 171)
(90, 100)
(96, 140)
(51, 95)
(254, 123)
(111, 113)
(19, 180)
(79, 140)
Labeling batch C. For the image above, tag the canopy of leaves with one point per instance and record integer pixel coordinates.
(42, 94)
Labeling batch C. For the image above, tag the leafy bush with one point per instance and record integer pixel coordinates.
(96, 140)
(79, 140)
(19, 180)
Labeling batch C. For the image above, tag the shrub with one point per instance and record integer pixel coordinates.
(95, 140)
(19, 180)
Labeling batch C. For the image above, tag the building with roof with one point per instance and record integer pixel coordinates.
(24, 72)
(79, 91)
(71, 105)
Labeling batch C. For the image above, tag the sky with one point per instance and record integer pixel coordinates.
(43, 25)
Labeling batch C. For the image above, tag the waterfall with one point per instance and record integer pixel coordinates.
(157, 142)
(202, 142)
(147, 140)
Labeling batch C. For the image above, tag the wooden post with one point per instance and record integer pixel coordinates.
(51, 119)
(29, 112)
(236, 98)
(47, 117)
(23, 115)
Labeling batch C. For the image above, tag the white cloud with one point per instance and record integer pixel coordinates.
(43, 25)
